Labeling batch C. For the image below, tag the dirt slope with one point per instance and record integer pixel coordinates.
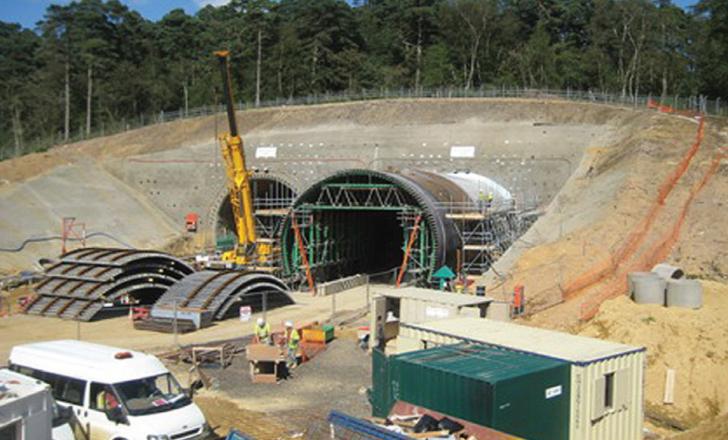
(603, 209)
(693, 342)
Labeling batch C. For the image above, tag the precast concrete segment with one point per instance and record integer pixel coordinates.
(217, 292)
(79, 284)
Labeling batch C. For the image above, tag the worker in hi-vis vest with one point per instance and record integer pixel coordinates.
(485, 200)
(262, 333)
(292, 342)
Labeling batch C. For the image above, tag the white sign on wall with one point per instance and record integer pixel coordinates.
(266, 152)
(553, 392)
(437, 312)
(462, 151)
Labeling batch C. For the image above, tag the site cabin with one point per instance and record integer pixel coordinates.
(115, 394)
(412, 305)
(27, 410)
(606, 378)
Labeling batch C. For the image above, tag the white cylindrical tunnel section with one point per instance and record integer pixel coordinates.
(479, 187)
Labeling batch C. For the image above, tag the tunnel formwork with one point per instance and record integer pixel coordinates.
(272, 199)
(365, 221)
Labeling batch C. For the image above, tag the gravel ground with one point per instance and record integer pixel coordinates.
(335, 379)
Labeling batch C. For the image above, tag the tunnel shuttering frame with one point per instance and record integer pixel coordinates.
(273, 196)
(362, 221)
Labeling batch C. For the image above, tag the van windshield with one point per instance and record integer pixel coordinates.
(152, 395)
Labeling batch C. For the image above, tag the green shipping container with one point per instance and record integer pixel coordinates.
(517, 393)
(379, 395)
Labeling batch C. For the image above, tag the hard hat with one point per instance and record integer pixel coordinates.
(261, 321)
(289, 324)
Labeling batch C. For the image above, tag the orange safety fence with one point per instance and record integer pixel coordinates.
(654, 255)
(609, 266)
(664, 108)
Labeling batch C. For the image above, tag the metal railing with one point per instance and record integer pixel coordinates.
(680, 103)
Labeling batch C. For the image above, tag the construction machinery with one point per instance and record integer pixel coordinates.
(248, 251)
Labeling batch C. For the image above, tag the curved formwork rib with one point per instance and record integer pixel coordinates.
(217, 292)
(84, 280)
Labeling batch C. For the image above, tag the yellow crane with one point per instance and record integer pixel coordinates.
(247, 251)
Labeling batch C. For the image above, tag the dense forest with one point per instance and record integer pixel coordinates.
(95, 63)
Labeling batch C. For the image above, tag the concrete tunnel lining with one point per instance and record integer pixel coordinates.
(323, 218)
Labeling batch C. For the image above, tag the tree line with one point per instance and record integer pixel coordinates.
(95, 62)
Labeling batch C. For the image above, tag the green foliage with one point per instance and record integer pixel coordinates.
(310, 47)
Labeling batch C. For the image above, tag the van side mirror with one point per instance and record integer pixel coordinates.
(61, 414)
(194, 386)
(116, 415)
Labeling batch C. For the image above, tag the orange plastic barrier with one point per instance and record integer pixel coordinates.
(605, 269)
(664, 108)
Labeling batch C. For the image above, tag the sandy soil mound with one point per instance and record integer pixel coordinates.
(715, 429)
(692, 342)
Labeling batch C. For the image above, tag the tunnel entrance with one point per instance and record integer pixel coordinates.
(272, 199)
(361, 222)
(367, 222)
(350, 242)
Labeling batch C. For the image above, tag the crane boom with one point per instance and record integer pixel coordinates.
(238, 177)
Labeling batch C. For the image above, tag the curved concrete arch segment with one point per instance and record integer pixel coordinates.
(79, 284)
(217, 291)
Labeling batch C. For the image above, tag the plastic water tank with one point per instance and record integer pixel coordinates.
(649, 290)
(684, 293)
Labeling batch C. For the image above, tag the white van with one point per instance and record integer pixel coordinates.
(115, 394)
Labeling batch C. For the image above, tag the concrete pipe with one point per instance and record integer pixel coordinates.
(668, 272)
(649, 290)
(635, 275)
(684, 293)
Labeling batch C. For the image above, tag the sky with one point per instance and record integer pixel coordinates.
(29, 12)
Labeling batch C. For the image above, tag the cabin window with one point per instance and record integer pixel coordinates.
(609, 391)
(612, 393)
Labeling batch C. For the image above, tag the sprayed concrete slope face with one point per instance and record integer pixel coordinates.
(35, 209)
(140, 185)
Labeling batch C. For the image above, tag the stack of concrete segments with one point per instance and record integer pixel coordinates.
(647, 288)
(684, 293)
